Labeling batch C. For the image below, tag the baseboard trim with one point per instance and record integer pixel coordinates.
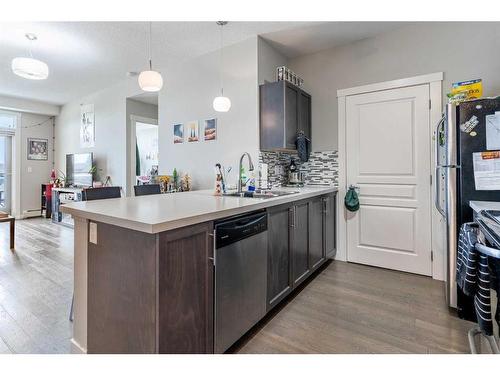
(76, 348)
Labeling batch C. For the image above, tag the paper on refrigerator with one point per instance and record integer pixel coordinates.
(486, 170)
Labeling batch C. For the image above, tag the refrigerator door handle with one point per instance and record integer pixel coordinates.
(436, 134)
(437, 191)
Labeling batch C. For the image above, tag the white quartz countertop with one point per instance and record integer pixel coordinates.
(158, 213)
(478, 206)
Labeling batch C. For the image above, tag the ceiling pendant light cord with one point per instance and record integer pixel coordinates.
(150, 43)
(221, 60)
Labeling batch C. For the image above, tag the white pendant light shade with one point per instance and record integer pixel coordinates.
(222, 104)
(30, 68)
(150, 80)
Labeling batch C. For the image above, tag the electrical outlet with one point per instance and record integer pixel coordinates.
(93, 233)
(30, 169)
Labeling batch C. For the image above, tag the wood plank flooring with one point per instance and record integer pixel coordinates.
(347, 308)
(36, 287)
(351, 308)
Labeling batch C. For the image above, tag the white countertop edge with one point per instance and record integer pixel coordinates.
(257, 204)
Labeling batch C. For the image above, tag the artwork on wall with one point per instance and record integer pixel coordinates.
(178, 133)
(193, 131)
(87, 126)
(38, 149)
(210, 129)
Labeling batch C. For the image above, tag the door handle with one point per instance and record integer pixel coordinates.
(437, 192)
(291, 213)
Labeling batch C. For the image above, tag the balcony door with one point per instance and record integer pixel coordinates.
(8, 122)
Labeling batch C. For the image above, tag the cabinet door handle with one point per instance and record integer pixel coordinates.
(214, 258)
(292, 220)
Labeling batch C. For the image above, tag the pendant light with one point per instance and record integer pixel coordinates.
(221, 103)
(150, 80)
(28, 67)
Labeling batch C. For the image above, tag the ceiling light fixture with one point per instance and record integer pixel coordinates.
(221, 103)
(150, 80)
(28, 67)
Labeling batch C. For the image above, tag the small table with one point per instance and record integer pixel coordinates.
(12, 221)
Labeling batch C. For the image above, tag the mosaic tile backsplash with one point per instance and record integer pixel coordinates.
(321, 168)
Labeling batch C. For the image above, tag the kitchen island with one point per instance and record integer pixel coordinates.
(145, 266)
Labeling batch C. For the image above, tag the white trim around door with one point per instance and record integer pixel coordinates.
(434, 82)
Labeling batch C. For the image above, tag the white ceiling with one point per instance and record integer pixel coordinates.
(84, 57)
(320, 36)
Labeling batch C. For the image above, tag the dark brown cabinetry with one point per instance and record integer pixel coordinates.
(330, 238)
(316, 232)
(301, 238)
(151, 293)
(285, 110)
(300, 242)
(154, 293)
(186, 303)
(279, 280)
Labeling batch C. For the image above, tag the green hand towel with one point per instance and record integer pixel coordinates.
(351, 200)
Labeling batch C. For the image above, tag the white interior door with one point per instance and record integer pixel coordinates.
(388, 158)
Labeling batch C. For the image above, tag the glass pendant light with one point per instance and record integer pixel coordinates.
(150, 80)
(28, 67)
(221, 103)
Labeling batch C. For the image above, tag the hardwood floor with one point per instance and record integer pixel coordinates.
(36, 287)
(347, 308)
(351, 308)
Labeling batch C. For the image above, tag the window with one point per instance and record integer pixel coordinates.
(8, 120)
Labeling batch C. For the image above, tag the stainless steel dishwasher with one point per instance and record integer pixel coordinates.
(240, 276)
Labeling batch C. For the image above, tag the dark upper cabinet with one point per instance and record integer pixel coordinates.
(330, 239)
(316, 231)
(304, 118)
(285, 109)
(300, 243)
(279, 282)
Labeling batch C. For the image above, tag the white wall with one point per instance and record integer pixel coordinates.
(268, 60)
(461, 50)
(110, 151)
(188, 94)
(34, 172)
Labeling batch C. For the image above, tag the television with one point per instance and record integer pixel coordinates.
(79, 170)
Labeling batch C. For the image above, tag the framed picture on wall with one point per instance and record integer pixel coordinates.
(38, 149)
(178, 133)
(210, 129)
(87, 126)
(193, 131)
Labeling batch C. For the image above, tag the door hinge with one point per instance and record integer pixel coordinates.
(432, 255)
(431, 178)
(430, 104)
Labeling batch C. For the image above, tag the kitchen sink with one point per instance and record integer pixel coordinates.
(262, 194)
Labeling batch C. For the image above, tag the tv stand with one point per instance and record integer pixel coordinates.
(61, 196)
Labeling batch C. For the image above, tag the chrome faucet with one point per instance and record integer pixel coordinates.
(250, 168)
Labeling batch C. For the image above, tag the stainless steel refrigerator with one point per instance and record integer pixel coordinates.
(466, 130)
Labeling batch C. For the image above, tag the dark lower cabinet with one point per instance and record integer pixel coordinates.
(330, 239)
(300, 242)
(279, 281)
(316, 231)
(150, 293)
(121, 303)
(301, 238)
(186, 300)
